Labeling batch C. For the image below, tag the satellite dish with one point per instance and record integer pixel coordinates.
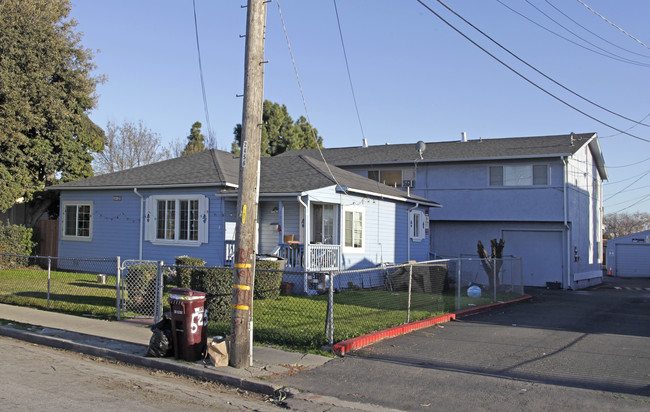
(420, 147)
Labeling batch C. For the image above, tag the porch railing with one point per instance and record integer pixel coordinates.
(323, 257)
(319, 257)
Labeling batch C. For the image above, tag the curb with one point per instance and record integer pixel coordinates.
(252, 385)
(359, 342)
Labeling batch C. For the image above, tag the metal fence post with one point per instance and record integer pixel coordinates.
(458, 270)
(408, 309)
(494, 281)
(330, 312)
(118, 290)
(49, 266)
(157, 311)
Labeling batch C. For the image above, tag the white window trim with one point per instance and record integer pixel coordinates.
(531, 166)
(354, 209)
(151, 220)
(76, 238)
(420, 225)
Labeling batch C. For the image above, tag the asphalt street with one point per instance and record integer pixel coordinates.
(565, 350)
(35, 377)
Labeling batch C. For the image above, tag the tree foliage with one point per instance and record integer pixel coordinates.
(280, 133)
(128, 145)
(46, 92)
(623, 224)
(195, 141)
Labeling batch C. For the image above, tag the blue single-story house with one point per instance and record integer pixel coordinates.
(629, 256)
(317, 216)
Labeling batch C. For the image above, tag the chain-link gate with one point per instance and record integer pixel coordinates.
(141, 289)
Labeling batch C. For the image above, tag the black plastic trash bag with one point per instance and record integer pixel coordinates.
(161, 344)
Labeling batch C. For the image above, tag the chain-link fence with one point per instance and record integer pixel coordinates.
(141, 289)
(290, 307)
(72, 285)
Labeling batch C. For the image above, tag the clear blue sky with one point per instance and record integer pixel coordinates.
(413, 76)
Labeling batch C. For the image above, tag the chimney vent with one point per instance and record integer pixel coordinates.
(463, 136)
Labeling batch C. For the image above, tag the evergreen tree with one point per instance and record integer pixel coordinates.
(46, 93)
(195, 141)
(280, 133)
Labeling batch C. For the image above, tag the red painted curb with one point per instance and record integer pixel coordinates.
(359, 342)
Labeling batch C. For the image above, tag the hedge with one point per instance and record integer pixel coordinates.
(218, 282)
(184, 274)
(16, 240)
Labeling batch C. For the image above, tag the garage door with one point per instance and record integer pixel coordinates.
(633, 261)
(541, 253)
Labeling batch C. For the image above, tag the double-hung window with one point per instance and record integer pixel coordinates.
(519, 175)
(353, 228)
(177, 219)
(77, 220)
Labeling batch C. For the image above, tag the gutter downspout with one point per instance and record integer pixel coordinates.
(566, 223)
(408, 232)
(135, 190)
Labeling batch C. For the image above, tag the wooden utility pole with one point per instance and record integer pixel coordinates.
(245, 233)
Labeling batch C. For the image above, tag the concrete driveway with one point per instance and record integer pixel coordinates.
(562, 351)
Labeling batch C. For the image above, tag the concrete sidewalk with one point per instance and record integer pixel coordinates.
(128, 342)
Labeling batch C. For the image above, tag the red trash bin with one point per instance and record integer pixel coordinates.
(189, 323)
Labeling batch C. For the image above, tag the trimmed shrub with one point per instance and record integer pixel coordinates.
(184, 274)
(267, 284)
(16, 240)
(217, 281)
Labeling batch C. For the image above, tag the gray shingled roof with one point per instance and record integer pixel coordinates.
(458, 151)
(453, 151)
(210, 167)
(302, 173)
(219, 169)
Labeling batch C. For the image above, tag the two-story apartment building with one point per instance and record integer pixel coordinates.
(542, 194)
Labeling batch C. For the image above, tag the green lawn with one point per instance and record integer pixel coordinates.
(74, 293)
(294, 321)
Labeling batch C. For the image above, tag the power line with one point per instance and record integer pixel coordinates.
(585, 40)
(631, 164)
(302, 95)
(205, 99)
(642, 200)
(571, 41)
(625, 180)
(347, 66)
(540, 72)
(626, 187)
(613, 24)
(595, 34)
(519, 74)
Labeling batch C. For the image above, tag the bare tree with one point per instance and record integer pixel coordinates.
(623, 224)
(128, 145)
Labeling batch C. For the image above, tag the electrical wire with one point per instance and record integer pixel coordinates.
(569, 40)
(521, 75)
(585, 40)
(642, 200)
(347, 66)
(613, 24)
(631, 164)
(626, 187)
(626, 179)
(628, 129)
(540, 72)
(205, 98)
(302, 95)
(593, 33)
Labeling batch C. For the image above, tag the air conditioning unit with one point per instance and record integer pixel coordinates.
(408, 183)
